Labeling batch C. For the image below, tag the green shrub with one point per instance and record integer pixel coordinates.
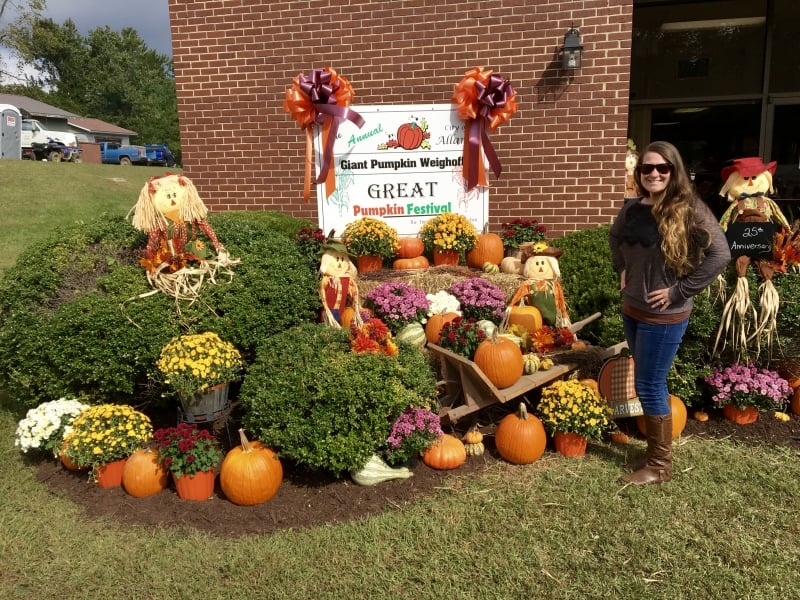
(327, 408)
(590, 284)
(77, 315)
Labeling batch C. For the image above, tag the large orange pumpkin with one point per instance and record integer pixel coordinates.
(520, 438)
(418, 262)
(488, 248)
(410, 247)
(251, 473)
(434, 326)
(525, 316)
(448, 452)
(500, 359)
(144, 475)
(678, 417)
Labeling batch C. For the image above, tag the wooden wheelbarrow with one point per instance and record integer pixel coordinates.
(468, 390)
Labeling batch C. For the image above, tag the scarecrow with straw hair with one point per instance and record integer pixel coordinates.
(169, 210)
(747, 183)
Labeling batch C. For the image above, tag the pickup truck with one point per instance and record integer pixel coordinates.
(160, 155)
(40, 143)
(116, 154)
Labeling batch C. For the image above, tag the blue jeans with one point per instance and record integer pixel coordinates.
(653, 348)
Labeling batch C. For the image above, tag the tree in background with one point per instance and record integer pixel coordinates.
(15, 17)
(107, 75)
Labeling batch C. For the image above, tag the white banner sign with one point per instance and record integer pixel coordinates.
(404, 165)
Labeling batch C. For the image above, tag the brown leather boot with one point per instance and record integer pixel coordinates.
(658, 468)
(639, 462)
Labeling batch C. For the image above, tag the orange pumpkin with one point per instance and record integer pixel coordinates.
(434, 326)
(348, 314)
(701, 416)
(525, 316)
(418, 262)
(144, 475)
(618, 437)
(68, 463)
(520, 438)
(500, 359)
(795, 403)
(592, 383)
(250, 473)
(448, 452)
(678, 417)
(473, 436)
(488, 248)
(410, 247)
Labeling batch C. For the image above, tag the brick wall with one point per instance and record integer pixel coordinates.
(562, 152)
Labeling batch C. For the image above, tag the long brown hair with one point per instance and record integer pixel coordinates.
(682, 240)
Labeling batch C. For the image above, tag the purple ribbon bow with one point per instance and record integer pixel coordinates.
(322, 93)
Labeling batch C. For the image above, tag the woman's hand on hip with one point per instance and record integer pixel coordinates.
(659, 299)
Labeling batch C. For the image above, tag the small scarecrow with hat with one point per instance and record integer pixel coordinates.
(542, 285)
(177, 261)
(338, 284)
(631, 158)
(747, 183)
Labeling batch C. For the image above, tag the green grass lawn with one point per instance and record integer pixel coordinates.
(37, 197)
(725, 528)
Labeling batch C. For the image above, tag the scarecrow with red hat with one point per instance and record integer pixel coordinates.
(542, 286)
(747, 183)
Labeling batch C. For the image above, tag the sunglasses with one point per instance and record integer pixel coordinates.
(662, 168)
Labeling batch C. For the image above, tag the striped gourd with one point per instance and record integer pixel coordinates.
(413, 333)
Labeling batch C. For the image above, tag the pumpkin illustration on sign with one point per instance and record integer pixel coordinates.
(410, 136)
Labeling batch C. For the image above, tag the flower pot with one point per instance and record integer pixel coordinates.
(109, 475)
(446, 257)
(199, 486)
(740, 416)
(206, 405)
(569, 444)
(368, 262)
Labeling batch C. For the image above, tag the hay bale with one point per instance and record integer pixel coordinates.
(434, 279)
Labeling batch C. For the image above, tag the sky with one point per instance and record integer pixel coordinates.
(150, 19)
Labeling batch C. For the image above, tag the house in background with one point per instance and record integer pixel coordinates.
(87, 130)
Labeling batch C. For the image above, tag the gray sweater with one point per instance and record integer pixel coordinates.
(636, 249)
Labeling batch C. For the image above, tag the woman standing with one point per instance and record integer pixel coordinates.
(667, 246)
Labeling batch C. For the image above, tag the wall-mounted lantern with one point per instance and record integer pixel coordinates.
(571, 50)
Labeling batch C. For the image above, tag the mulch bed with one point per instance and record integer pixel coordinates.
(308, 500)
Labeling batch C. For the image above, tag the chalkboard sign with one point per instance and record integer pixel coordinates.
(751, 239)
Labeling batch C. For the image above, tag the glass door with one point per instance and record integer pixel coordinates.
(783, 126)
